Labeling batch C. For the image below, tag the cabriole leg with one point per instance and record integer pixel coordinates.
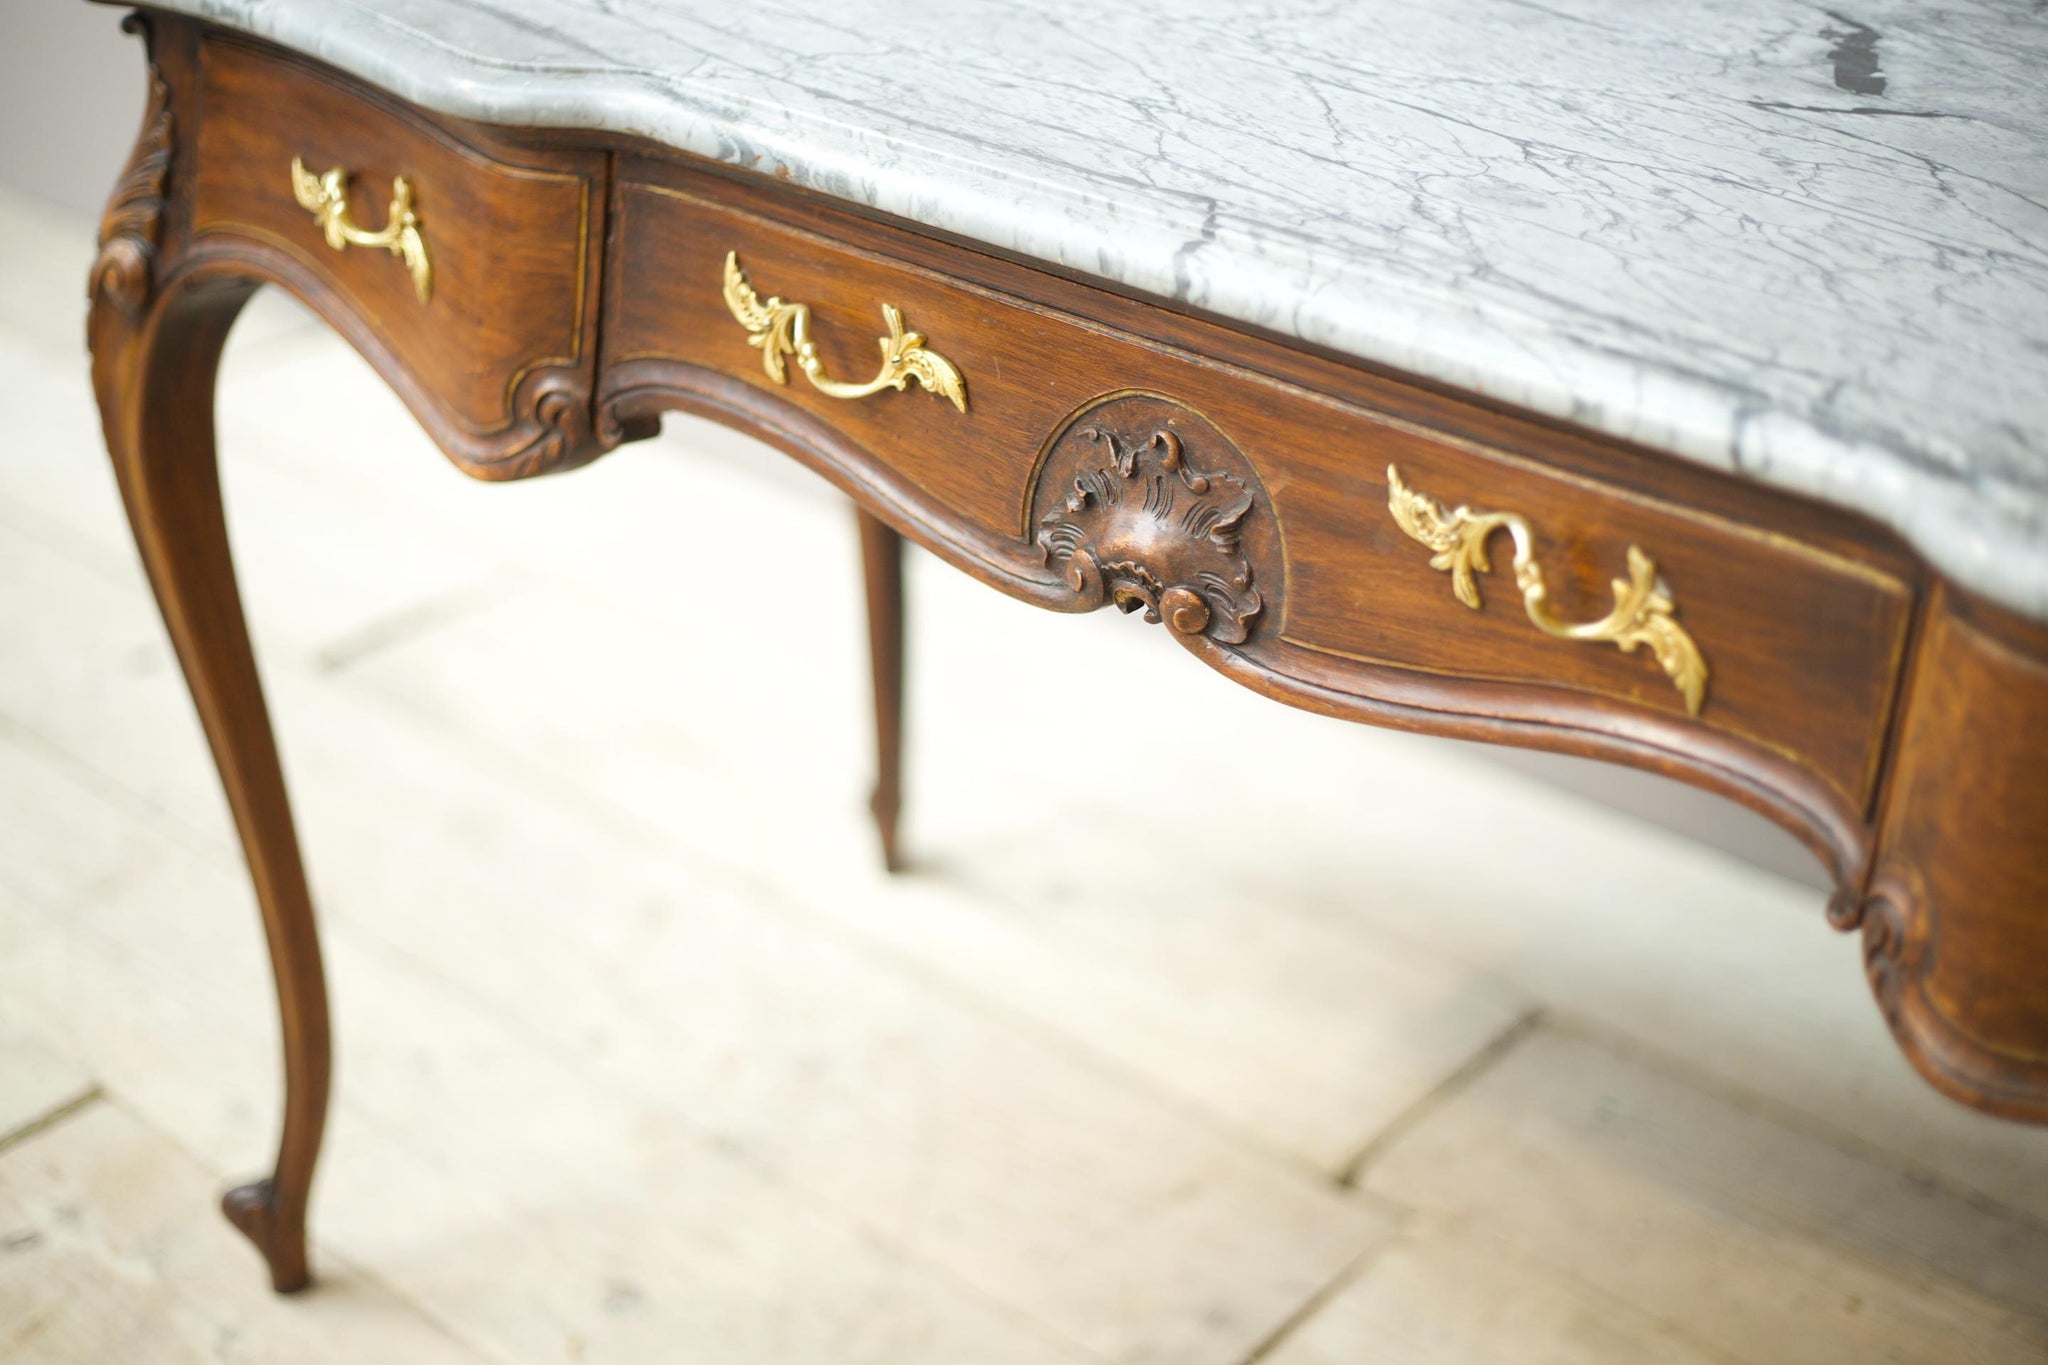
(154, 369)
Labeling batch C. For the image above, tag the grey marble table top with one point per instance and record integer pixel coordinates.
(1804, 243)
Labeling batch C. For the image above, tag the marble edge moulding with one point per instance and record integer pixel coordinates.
(1985, 534)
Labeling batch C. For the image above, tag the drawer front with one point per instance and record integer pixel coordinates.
(509, 244)
(1801, 646)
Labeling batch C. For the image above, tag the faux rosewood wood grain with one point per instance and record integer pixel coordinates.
(1805, 640)
(513, 234)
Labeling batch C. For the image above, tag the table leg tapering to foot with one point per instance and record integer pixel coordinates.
(881, 551)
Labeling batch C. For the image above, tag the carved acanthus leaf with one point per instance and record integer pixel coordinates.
(131, 228)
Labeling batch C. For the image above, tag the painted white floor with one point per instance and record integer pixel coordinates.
(1203, 1032)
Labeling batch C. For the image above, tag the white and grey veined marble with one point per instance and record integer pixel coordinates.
(1700, 224)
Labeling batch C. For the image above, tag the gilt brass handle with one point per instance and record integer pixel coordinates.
(781, 329)
(1642, 603)
(326, 198)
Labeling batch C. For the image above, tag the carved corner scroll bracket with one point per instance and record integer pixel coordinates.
(1892, 948)
(553, 428)
(1898, 921)
(1146, 506)
(131, 226)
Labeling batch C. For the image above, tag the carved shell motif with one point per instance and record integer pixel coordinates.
(1145, 530)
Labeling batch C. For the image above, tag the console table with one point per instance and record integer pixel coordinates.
(1658, 383)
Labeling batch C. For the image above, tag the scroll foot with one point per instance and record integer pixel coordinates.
(282, 1240)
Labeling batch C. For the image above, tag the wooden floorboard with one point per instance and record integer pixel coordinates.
(1753, 1238)
(110, 1251)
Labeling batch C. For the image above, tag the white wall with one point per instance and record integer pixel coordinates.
(71, 88)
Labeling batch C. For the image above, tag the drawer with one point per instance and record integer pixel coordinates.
(1801, 639)
(509, 234)
(1801, 646)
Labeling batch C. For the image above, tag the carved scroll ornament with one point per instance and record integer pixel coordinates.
(131, 228)
(1141, 528)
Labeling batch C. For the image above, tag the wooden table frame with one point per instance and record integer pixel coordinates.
(540, 298)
